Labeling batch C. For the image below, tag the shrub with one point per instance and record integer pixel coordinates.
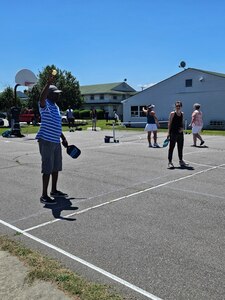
(100, 114)
(84, 114)
(76, 113)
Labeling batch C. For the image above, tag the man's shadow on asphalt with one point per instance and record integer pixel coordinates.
(63, 203)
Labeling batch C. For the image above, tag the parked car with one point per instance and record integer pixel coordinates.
(28, 116)
(3, 119)
(3, 115)
(64, 118)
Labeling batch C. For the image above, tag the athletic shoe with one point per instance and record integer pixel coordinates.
(183, 164)
(58, 194)
(150, 145)
(156, 145)
(47, 200)
(202, 142)
(170, 165)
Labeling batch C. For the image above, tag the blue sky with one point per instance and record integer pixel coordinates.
(103, 41)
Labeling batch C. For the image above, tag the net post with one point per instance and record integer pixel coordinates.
(114, 136)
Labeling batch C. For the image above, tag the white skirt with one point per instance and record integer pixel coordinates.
(150, 127)
(196, 129)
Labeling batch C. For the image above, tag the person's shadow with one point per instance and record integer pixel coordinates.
(202, 146)
(183, 168)
(62, 204)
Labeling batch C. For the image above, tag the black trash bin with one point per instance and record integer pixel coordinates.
(107, 139)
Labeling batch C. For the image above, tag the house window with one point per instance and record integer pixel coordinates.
(142, 114)
(114, 97)
(101, 97)
(92, 97)
(134, 111)
(188, 82)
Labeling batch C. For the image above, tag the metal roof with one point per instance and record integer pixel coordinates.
(107, 88)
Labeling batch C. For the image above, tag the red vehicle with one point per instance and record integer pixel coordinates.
(27, 116)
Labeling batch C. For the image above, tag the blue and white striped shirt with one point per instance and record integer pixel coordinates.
(51, 126)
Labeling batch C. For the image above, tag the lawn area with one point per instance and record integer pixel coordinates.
(28, 129)
(47, 269)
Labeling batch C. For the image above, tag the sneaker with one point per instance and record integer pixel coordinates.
(150, 145)
(47, 200)
(58, 194)
(156, 145)
(183, 164)
(202, 142)
(170, 165)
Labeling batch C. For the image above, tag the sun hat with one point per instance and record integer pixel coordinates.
(151, 106)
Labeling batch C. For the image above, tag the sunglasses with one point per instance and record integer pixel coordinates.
(177, 105)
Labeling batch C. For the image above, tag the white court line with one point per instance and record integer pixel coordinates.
(124, 197)
(197, 164)
(197, 193)
(76, 201)
(85, 263)
(203, 165)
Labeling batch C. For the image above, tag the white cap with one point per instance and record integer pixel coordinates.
(53, 89)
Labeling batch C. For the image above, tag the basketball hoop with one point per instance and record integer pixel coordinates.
(29, 83)
(26, 78)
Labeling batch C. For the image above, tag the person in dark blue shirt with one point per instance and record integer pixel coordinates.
(152, 125)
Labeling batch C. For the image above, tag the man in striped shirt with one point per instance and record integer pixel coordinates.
(49, 138)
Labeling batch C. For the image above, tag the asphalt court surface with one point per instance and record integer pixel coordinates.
(149, 232)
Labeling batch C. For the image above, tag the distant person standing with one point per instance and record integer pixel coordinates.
(106, 116)
(176, 134)
(152, 125)
(94, 118)
(116, 117)
(196, 124)
(70, 118)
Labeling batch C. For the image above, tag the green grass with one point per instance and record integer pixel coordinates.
(29, 129)
(44, 268)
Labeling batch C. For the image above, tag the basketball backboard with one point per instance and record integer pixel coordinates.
(25, 77)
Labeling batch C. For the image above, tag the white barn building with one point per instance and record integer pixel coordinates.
(190, 86)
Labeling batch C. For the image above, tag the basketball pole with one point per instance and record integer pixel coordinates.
(15, 96)
(15, 104)
(114, 133)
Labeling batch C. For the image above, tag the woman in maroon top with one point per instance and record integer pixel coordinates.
(175, 134)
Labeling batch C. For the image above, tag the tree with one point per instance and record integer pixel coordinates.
(7, 99)
(34, 95)
(65, 81)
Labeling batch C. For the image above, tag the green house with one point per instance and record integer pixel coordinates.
(107, 96)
